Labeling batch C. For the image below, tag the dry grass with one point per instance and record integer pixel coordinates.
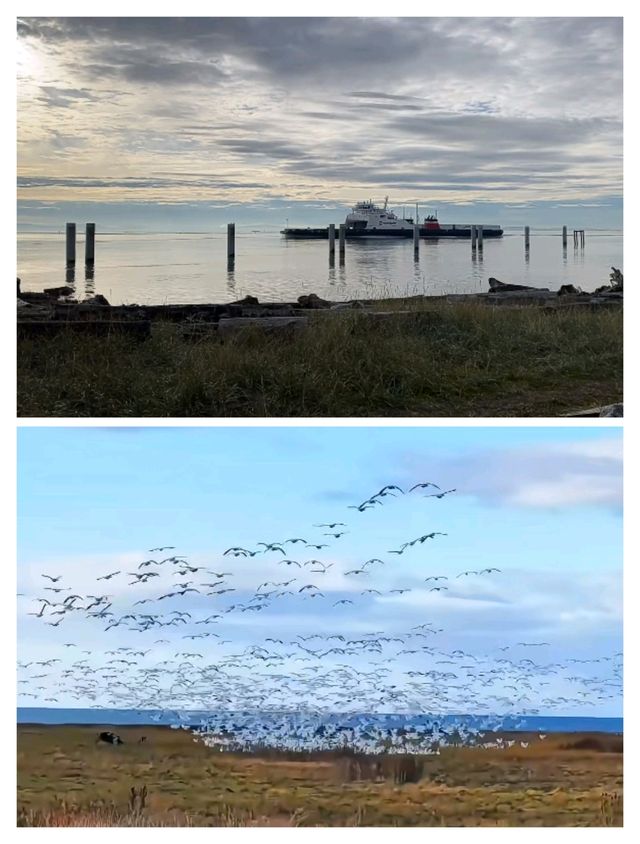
(462, 359)
(65, 779)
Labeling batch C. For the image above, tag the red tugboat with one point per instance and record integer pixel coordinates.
(430, 227)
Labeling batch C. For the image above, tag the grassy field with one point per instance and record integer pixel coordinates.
(66, 779)
(462, 359)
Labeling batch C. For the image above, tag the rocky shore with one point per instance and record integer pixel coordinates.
(511, 351)
(55, 309)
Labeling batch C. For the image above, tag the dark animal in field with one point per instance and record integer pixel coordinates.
(141, 739)
(109, 738)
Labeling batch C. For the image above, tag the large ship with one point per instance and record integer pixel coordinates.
(366, 219)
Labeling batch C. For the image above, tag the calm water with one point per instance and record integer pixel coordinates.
(113, 717)
(175, 268)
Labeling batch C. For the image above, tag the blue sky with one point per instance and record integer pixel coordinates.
(541, 504)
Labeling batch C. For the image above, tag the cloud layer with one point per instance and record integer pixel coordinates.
(551, 477)
(430, 109)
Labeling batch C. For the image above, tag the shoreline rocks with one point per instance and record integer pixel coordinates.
(55, 305)
(607, 411)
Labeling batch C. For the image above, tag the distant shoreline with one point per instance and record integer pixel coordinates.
(521, 733)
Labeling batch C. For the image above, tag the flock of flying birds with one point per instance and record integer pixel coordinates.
(317, 689)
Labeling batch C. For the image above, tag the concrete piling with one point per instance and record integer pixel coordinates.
(90, 244)
(71, 244)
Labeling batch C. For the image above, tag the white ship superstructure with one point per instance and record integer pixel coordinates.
(367, 217)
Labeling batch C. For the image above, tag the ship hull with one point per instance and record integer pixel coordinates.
(459, 231)
(352, 234)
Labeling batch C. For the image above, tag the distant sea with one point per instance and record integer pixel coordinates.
(175, 268)
(137, 717)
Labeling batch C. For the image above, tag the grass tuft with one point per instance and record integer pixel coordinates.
(178, 782)
(444, 359)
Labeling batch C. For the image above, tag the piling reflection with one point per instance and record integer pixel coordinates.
(184, 268)
(332, 270)
(89, 280)
(231, 273)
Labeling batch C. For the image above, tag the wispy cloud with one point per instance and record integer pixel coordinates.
(442, 107)
(548, 477)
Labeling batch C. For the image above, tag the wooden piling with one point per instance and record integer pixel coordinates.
(564, 237)
(526, 237)
(473, 237)
(479, 237)
(416, 237)
(71, 244)
(342, 234)
(332, 239)
(90, 244)
(231, 241)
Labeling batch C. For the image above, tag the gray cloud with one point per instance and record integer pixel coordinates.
(495, 107)
(131, 184)
(553, 477)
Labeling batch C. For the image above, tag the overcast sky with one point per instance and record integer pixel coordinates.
(300, 117)
(541, 505)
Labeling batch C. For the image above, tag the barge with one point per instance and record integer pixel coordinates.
(366, 219)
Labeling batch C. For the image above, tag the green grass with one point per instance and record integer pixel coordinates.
(66, 779)
(451, 359)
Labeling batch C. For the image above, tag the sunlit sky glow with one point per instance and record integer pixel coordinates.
(300, 117)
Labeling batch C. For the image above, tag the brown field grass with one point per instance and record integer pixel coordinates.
(66, 779)
(451, 359)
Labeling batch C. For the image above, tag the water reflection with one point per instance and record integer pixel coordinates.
(153, 268)
(375, 258)
(526, 254)
(89, 280)
(419, 280)
(231, 274)
(477, 256)
(70, 275)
